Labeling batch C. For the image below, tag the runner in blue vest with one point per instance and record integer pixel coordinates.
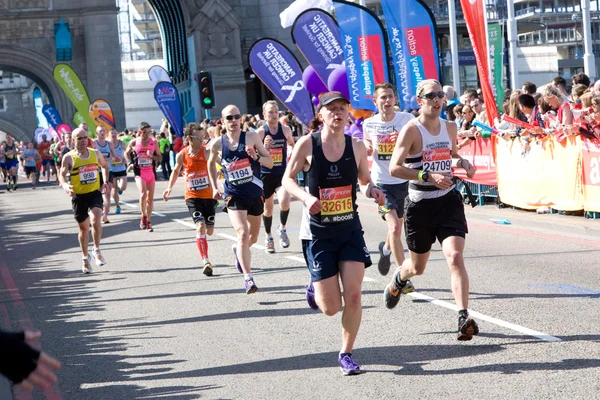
(276, 138)
(108, 152)
(241, 155)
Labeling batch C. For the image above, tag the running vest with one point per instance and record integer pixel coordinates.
(10, 152)
(104, 150)
(30, 158)
(197, 184)
(435, 157)
(118, 165)
(144, 154)
(84, 175)
(334, 184)
(278, 151)
(242, 174)
(44, 148)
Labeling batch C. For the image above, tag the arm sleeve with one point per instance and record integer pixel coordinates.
(17, 358)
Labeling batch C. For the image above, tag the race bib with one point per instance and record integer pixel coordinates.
(239, 172)
(116, 162)
(30, 159)
(88, 174)
(385, 147)
(144, 161)
(277, 156)
(198, 180)
(336, 204)
(106, 155)
(438, 161)
(46, 151)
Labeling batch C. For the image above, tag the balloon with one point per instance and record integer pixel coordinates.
(312, 82)
(359, 123)
(338, 81)
(315, 101)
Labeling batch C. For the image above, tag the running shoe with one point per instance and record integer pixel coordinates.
(250, 286)
(310, 297)
(87, 265)
(393, 291)
(149, 227)
(348, 366)
(467, 328)
(120, 192)
(237, 262)
(270, 246)
(100, 261)
(118, 210)
(105, 219)
(9, 186)
(143, 223)
(384, 263)
(15, 187)
(208, 269)
(284, 241)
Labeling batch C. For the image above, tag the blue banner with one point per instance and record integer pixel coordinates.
(167, 98)
(364, 52)
(279, 70)
(411, 33)
(52, 115)
(317, 36)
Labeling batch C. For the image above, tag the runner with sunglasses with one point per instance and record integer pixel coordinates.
(241, 154)
(425, 154)
(276, 138)
(198, 192)
(82, 165)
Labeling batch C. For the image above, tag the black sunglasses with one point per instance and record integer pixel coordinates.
(433, 95)
(81, 138)
(232, 117)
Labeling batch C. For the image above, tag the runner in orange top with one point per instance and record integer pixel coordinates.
(198, 191)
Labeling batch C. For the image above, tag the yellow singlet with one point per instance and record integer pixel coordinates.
(84, 175)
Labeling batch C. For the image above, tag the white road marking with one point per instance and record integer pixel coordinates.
(483, 317)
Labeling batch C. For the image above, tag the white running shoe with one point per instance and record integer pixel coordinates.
(87, 265)
(284, 241)
(100, 261)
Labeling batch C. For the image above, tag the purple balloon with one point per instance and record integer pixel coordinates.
(312, 82)
(315, 101)
(338, 81)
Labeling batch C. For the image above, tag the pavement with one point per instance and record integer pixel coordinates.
(149, 325)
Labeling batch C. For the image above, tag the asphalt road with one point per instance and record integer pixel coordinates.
(149, 325)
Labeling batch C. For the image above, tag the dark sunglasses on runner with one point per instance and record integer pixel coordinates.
(433, 95)
(232, 117)
(81, 138)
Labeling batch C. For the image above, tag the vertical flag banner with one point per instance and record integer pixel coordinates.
(52, 115)
(317, 36)
(167, 98)
(62, 129)
(280, 71)
(73, 88)
(364, 52)
(78, 119)
(158, 74)
(102, 114)
(473, 11)
(38, 104)
(496, 40)
(411, 34)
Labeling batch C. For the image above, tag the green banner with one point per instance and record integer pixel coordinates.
(78, 119)
(73, 88)
(496, 45)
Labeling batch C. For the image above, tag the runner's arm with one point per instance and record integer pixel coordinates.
(157, 154)
(65, 168)
(297, 162)
(213, 159)
(265, 157)
(364, 175)
(103, 164)
(457, 160)
(176, 170)
(287, 132)
(128, 151)
(112, 150)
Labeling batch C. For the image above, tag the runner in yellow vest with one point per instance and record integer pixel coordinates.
(82, 164)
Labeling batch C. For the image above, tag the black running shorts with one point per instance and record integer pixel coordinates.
(270, 184)
(253, 206)
(83, 203)
(202, 210)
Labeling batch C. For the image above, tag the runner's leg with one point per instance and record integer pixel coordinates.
(351, 274)
(453, 248)
(239, 220)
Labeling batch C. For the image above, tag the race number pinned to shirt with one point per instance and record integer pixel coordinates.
(239, 172)
(88, 174)
(385, 147)
(336, 204)
(276, 156)
(197, 180)
(438, 161)
(116, 161)
(144, 161)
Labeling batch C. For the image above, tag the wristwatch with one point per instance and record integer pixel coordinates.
(425, 176)
(257, 156)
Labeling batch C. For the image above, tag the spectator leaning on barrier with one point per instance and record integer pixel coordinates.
(576, 93)
(480, 114)
(458, 113)
(560, 84)
(553, 97)
(530, 110)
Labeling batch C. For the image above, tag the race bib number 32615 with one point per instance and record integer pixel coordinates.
(336, 204)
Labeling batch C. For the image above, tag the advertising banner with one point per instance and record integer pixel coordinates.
(73, 88)
(167, 98)
(102, 114)
(496, 41)
(480, 154)
(591, 174)
(158, 74)
(317, 36)
(473, 11)
(411, 34)
(544, 173)
(62, 129)
(78, 119)
(365, 52)
(52, 115)
(279, 70)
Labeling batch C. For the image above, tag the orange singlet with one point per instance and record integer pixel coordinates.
(197, 184)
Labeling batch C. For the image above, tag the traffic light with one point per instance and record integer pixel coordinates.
(207, 90)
